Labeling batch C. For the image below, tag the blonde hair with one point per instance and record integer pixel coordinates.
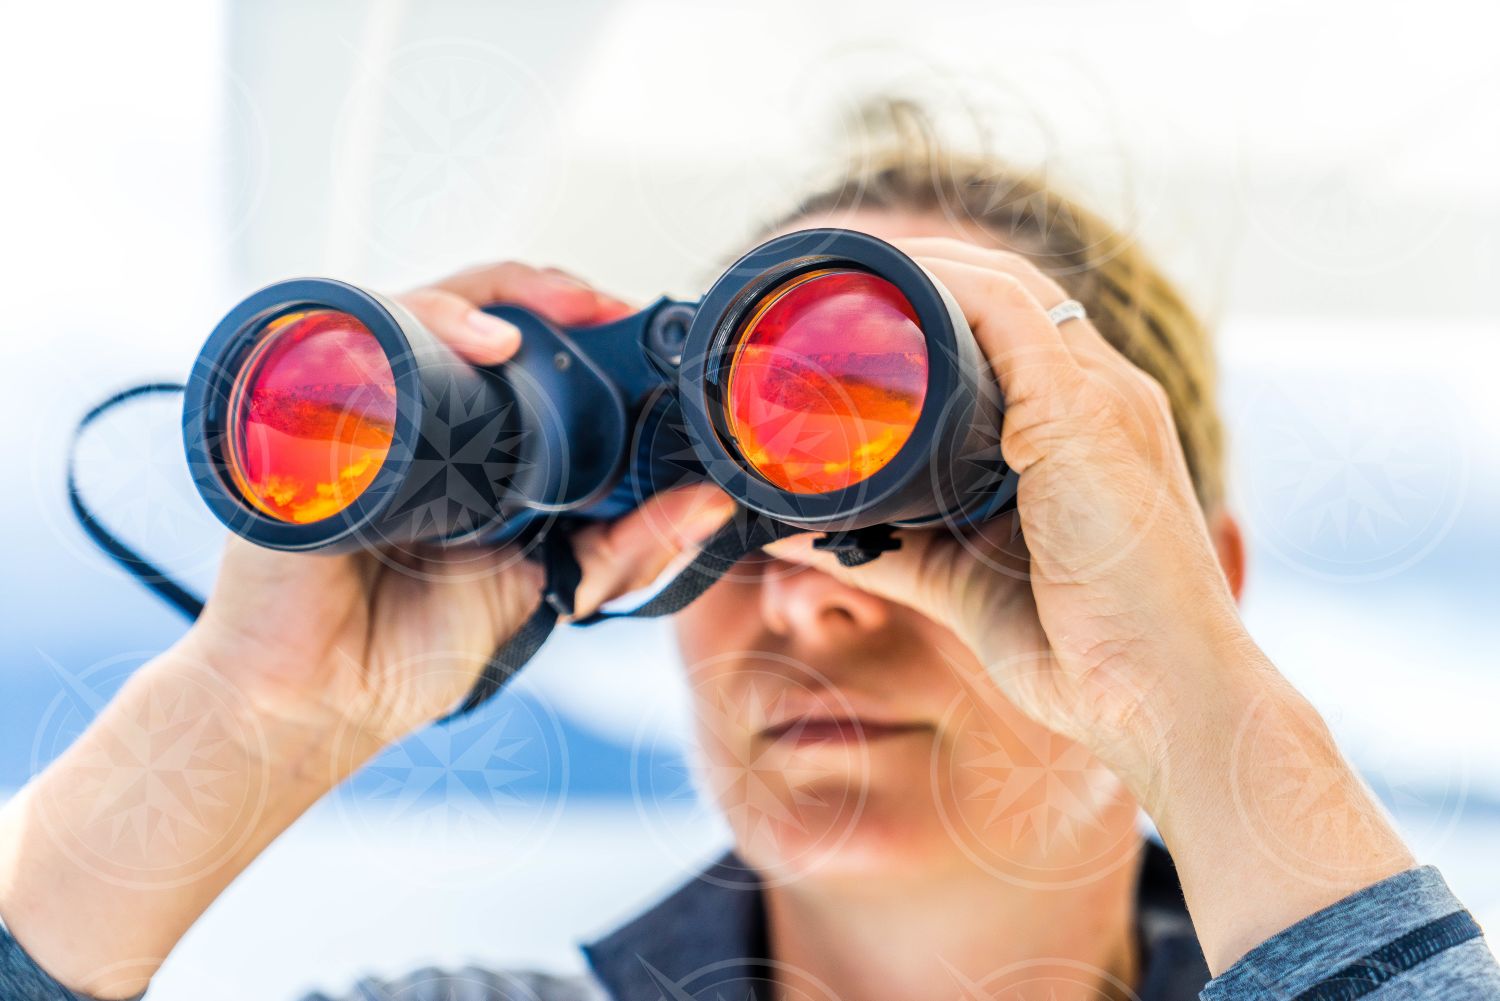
(1133, 304)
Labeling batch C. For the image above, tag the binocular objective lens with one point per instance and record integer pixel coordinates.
(311, 415)
(826, 380)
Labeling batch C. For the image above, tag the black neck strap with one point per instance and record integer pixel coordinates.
(142, 569)
(744, 533)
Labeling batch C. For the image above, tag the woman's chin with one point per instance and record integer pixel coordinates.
(870, 840)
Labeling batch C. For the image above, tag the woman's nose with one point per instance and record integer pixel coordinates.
(810, 607)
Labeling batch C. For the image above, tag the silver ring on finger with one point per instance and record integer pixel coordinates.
(1068, 309)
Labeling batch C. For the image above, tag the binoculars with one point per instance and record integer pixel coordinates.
(825, 382)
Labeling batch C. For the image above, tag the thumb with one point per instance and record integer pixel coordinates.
(629, 554)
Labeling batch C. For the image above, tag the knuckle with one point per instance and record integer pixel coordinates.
(1020, 266)
(1156, 396)
(1025, 270)
(1153, 387)
(1005, 288)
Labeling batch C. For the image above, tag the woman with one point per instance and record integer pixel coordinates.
(933, 764)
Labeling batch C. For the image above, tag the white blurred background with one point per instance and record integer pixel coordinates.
(1321, 178)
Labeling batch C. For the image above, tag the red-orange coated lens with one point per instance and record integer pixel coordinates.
(826, 381)
(311, 415)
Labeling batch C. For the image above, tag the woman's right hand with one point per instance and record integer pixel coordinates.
(300, 668)
(387, 642)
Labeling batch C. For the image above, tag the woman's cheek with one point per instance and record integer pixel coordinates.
(1026, 805)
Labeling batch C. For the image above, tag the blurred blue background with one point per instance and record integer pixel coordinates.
(1321, 179)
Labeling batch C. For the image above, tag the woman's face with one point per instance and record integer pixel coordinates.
(847, 736)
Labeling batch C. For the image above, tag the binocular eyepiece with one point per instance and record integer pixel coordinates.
(825, 381)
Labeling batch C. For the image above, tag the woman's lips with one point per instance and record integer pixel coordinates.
(828, 729)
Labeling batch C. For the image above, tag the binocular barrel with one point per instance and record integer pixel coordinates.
(825, 380)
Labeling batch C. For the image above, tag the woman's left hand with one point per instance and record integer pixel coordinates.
(1109, 621)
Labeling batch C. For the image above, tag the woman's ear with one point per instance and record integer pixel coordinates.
(1229, 544)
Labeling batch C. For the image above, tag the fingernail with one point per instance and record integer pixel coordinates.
(493, 331)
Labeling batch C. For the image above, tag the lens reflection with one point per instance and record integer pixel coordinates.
(311, 416)
(827, 380)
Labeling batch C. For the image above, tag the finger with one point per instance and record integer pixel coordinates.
(874, 577)
(552, 293)
(1040, 285)
(629, 554)
(609, 307)
(473, 334)
(1081, 336)
(901, 575)
(1024, 348)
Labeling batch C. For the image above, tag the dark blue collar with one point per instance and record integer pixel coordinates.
(710, 933)
(708, 939)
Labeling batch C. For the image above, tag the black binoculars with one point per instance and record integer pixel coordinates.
(825, 381)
